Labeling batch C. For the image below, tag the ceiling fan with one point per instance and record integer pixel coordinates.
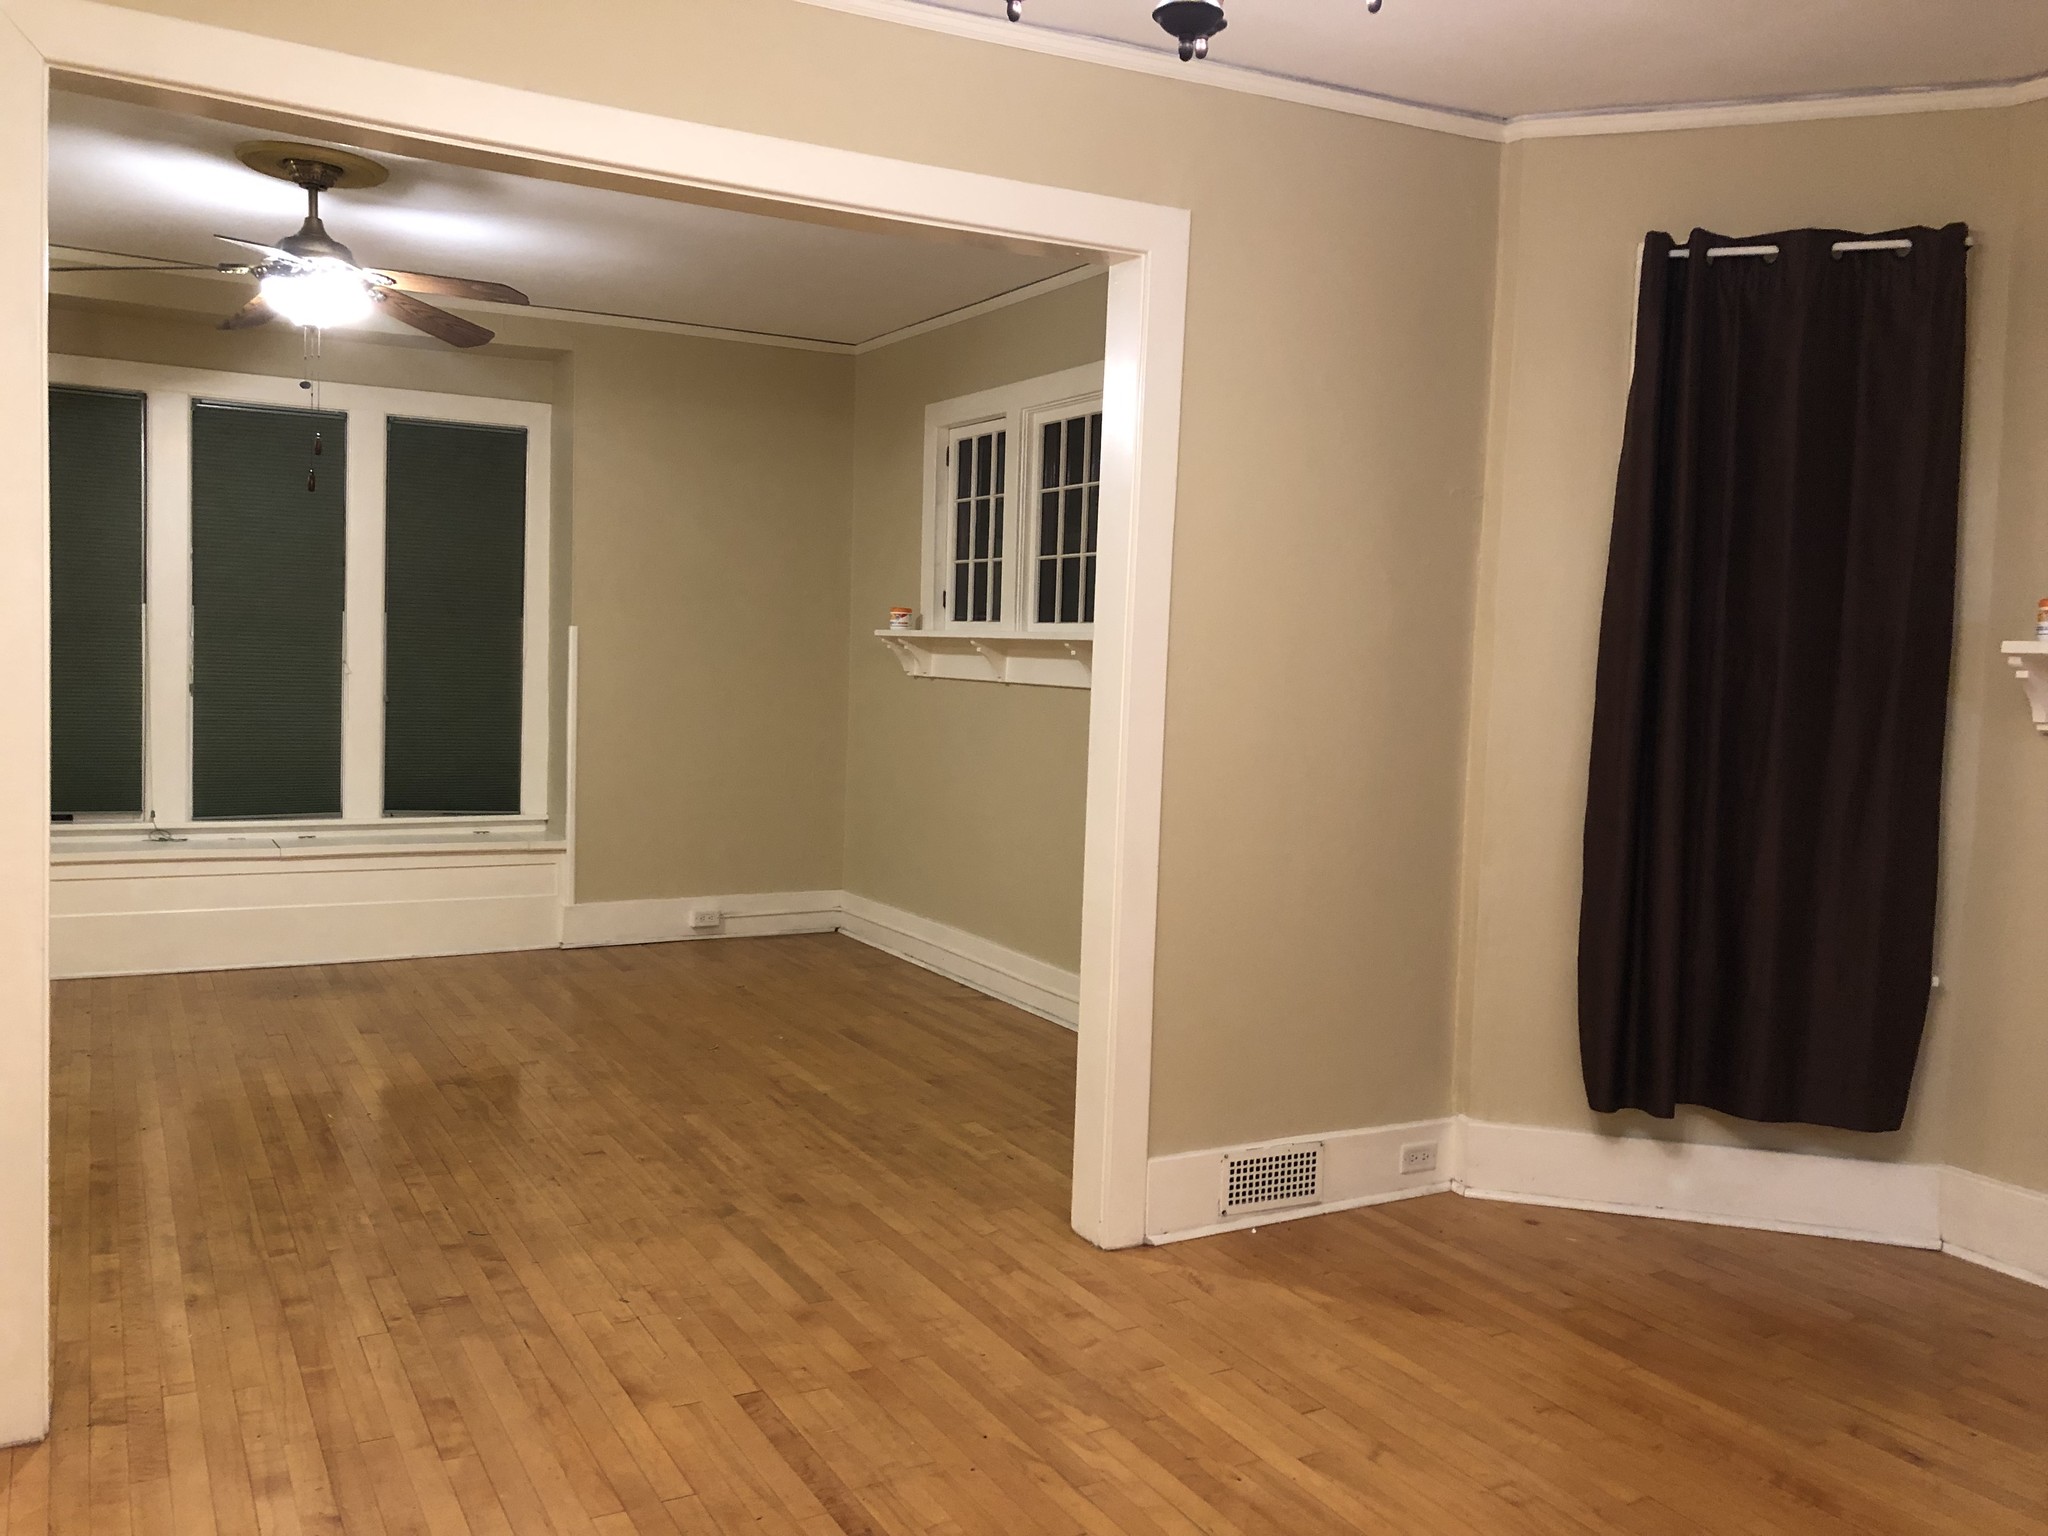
(311, 279)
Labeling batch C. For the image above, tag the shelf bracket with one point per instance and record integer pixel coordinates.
(2032, 673)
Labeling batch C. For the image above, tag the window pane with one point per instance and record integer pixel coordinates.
(454, 617)
(1070, 469)
(267, 595)
(1071, 521)
(1090, 544)
(96, 595)
(978, 527)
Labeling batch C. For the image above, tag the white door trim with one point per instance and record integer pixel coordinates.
(1146, 244)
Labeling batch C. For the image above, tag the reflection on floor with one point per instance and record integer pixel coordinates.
(770, 1236)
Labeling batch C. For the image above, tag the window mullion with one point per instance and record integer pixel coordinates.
(362, 688)
(1016, 547)
(167, 653)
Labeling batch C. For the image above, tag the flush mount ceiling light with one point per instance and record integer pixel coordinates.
(1190, 22)
(311, 279)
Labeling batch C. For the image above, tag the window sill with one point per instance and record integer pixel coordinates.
(80, 857)
(1045, 661)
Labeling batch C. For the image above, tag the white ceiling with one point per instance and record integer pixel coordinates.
(142, 182)
(1505, 59)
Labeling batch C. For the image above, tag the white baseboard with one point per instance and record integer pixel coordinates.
(1874, 1202)
(1914, 1205)
(1359, 1167)
(1021, 980)
(29, 1426)
(1007, 974)
(763, 915)
(201, 912)
(2000, 1226)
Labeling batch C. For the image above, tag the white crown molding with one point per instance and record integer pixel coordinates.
(1021, 295)
(1152, 61)
(1788, 109)
(1668, 118)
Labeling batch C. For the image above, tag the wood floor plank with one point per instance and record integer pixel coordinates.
(770, 1237)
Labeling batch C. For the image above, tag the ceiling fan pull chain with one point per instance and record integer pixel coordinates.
(309, 342)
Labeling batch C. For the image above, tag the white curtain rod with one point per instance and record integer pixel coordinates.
(1715, 253)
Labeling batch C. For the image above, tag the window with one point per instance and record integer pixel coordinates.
(268, 608)
(986, 500)
(980, 463)
(1069, 510)
(96, 602)
(267, 614)
(454, 597)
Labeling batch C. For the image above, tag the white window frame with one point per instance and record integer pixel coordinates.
(167, 600)
(1018, 409)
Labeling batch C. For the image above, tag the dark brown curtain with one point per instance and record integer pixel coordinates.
(1763, 813)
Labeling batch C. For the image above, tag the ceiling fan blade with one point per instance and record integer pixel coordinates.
(438, 323)
(275, 253)
(249, 316)
(452, 287)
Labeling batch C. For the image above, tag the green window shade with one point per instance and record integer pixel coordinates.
(96, 597)
(268, 564)
(454, 617)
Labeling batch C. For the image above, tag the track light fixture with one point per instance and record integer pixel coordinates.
(1191, 23)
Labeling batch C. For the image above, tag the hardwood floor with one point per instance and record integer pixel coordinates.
(769, 1236)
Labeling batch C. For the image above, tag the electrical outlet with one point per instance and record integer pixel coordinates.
(706, 917)
(1418, 1157)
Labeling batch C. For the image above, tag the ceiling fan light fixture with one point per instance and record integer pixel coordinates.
(320, 295)
(1190, 22)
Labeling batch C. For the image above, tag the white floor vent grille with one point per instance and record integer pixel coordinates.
(1271, 1176)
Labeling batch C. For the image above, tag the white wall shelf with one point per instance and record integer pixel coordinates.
(1046, 661)
(2029, 662)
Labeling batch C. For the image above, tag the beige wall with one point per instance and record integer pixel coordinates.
(1347, 392)
(1319, 932)
(1573, 214)
(1340, 290)
(702, 516)
(710, 592)
(964, 801)
(1995, 964)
